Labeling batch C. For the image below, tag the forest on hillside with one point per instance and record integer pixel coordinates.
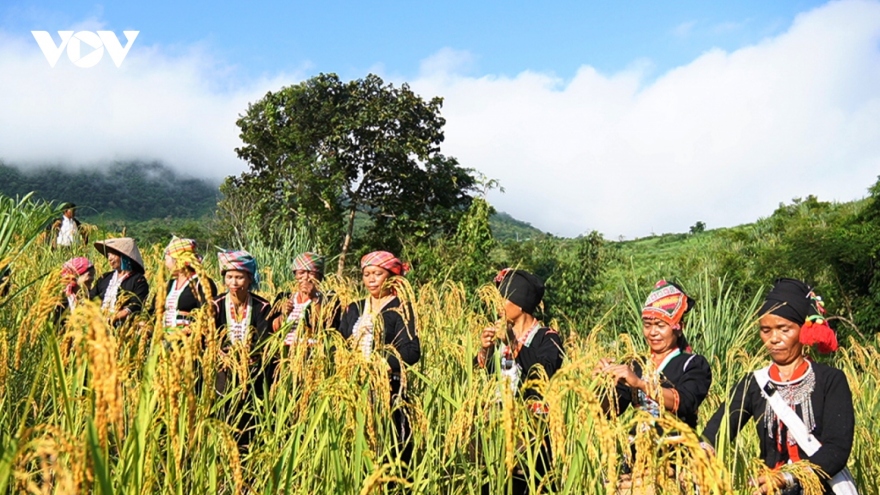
(135, 191)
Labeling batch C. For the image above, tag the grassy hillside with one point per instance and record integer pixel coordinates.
(136, 191)
(505, 227)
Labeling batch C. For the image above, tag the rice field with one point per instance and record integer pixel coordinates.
(89, 408)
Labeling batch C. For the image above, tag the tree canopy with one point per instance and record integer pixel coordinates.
(323, 150)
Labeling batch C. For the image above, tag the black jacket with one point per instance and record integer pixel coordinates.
(193, 295)
(543, 349)
(400, 332)
(134, 290)
(257, 334)
(690, 376)
(334, 315)
(832, 410)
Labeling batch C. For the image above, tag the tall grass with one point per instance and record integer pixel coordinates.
(93, 409)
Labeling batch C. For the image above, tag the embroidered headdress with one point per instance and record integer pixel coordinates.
(667, 302)
(241, 261)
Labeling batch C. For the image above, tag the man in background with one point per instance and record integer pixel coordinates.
(66, 230)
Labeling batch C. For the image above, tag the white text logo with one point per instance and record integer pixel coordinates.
(94, 41)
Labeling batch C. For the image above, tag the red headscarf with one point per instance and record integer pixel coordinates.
(72, 269)
(385, 260)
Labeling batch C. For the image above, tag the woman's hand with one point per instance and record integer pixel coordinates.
(601, 366)
(768, 484)
(288, 306)
(122, 313)
(625, 374)
(487, 338)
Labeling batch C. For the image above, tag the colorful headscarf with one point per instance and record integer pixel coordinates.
(521, 288)
(183, 251)
(668, 303)
(385, 260)
(797, 302)
(74, 268)
(180, 245)
(308, 261)
(242, 261)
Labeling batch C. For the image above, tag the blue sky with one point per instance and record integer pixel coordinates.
(352, 38)
(630, 118)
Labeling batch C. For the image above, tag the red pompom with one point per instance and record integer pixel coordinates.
(818, 333)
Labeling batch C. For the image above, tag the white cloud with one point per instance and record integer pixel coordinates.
(723, 139)
(171, 108)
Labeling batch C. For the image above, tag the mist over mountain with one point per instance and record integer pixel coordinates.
(136, 191)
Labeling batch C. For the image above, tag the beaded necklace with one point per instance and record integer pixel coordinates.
(236, 323)
(797, 391)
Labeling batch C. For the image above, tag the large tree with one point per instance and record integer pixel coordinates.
(323, 150)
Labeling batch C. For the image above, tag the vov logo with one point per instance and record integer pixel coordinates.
(94, 41)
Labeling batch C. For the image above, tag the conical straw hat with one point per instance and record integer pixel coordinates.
(121, 245)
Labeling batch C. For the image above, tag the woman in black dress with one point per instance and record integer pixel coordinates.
(79, 273)
(242, 321)
(124, 289)
(186, 291)
(524, 344)
(821, 428)
(298, 313)
(399, 331)
(520, 347)
(684, 378)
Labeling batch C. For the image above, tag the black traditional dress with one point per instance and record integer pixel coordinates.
(821, 398)
(688, 374)
(399, 331)
(541, 347)
(251, 329)
(190, 297)
(114, 287)
(303, 316)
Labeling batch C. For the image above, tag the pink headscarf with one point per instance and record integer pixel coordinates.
(74, 268)
(385, 260)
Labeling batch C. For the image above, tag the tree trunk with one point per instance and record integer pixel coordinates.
(347, 242)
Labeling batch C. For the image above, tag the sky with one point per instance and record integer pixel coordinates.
(630, 118)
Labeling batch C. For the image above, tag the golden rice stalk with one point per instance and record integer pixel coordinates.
(47, 299)
(380, 477)
(105, 378)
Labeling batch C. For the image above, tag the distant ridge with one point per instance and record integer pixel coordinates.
(506, 228)
(137, 191)
(143, 191)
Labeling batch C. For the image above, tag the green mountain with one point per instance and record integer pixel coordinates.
(137, 191)
(506, 228)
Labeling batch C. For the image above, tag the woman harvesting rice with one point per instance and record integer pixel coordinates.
(525, 344)
(684, 378)
(527, 349)
(185, 291)
(398, 329)
(302, 309)
(803, 410)
(124, 289)
(79, 273)
(242, 321)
